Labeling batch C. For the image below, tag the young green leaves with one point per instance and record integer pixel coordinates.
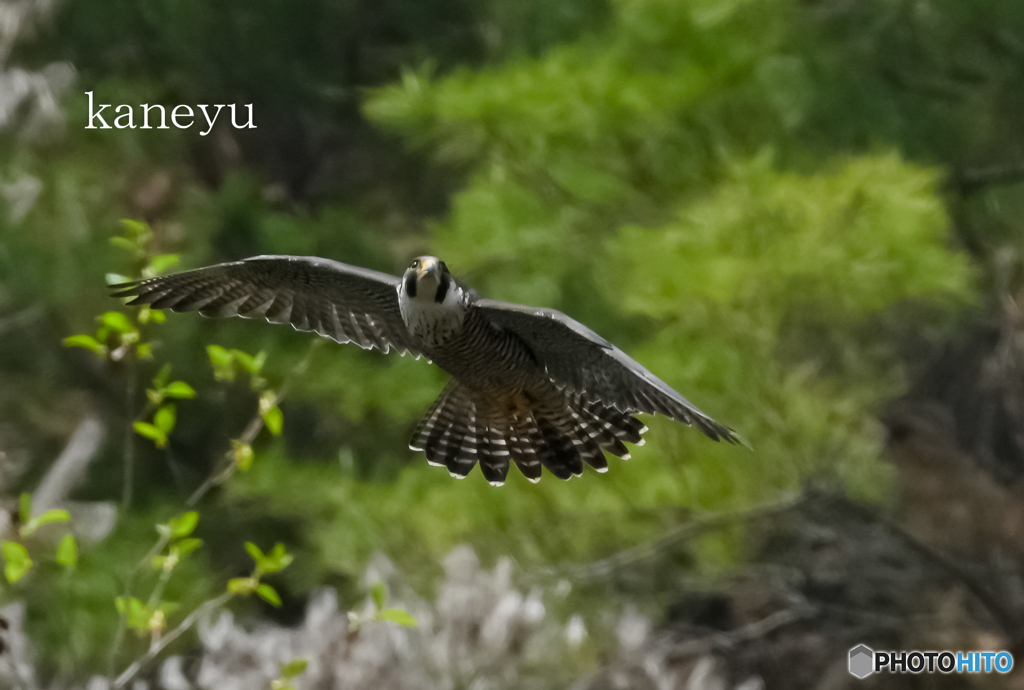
(380, 612)
(166, 415)
(290, 670)
(17, 561)
(276, 560)
(117, 335)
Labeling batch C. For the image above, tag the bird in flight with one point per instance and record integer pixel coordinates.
(529, 385)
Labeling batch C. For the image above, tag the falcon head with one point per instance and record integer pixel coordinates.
(433, 306)
(427, 280)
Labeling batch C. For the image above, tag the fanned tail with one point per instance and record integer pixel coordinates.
(459, 431)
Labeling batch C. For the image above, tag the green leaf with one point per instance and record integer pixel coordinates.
(294, 668)
(67, 551)
(241, 585)
(188, 545)
(399, 616)
(377, 592)
(17, 560)
(46, 518)
(180, 389)
(86, 341)
(162, 376)
(274, 419)
(25, 508)
(157, 562)
(161, 262)
(156, 315)
(222, 361)
(268, 594)
(117, 321)
(116, 279)
(184, 524)
(254, 551)
(144, 350)
(165, 418)
(249, 363)
(136, 613)
(54, 515)
(243, 455)
(219, 357)
(151, 432)
(124, 243)
(278, 559)
(137, 228)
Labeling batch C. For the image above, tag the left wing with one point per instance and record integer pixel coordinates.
(577, 358)
(338, 301)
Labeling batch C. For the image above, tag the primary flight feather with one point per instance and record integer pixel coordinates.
(529, 385)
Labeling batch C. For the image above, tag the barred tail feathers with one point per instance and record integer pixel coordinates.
(459, 431)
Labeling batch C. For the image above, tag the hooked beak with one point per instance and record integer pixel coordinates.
(429, 266)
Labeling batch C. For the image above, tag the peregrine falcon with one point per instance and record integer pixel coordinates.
(528, 384)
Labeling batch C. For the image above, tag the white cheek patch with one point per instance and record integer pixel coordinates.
(430, 321)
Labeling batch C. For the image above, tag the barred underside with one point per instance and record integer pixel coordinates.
(459, 431)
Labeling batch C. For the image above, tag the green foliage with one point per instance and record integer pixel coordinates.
(228, 363)
(242, 454)
(381, 613)
(67, 551)
(400, 616)
(276, 560)
(181, 526)
(144, 619)
(295, 667)
(17, 562)
(152, 432)
(49, 517)
(30, 523)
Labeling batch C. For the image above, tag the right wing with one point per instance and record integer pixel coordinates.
(338, 301)
(577, 358)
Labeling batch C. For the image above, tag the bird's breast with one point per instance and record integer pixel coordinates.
(484, 357)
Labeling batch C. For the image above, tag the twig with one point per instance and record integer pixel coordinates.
(250, 433)
(214, 479)
(22, 318)
(753, 631)
(970, 182)
(154, 650)
(996, 608)
(684, 532)
(217, 478)
(129, 440)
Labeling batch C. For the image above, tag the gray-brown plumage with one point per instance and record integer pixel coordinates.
(528, 385)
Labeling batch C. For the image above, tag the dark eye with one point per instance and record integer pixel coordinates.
(415, 263)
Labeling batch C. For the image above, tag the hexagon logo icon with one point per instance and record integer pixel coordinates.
(862, 661)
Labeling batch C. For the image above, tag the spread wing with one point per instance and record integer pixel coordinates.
(577, 358)
(338, 301)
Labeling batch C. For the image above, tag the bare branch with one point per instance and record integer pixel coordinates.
(972, 181)
(154, 650)
(682, 533)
